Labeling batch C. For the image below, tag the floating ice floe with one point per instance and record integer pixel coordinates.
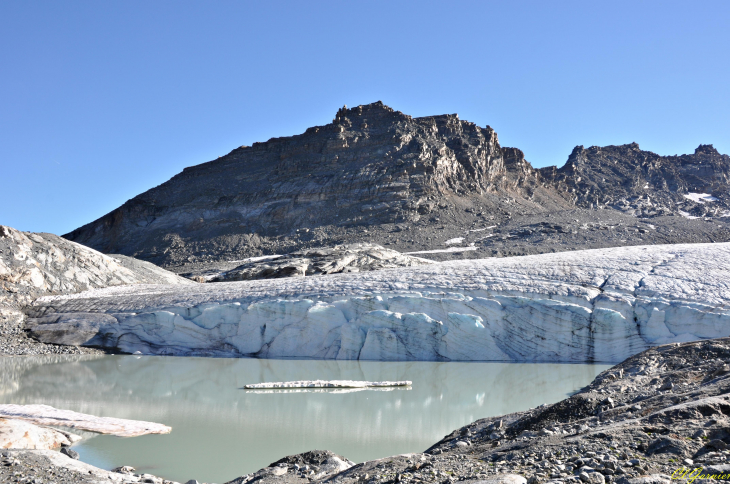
(590, 305)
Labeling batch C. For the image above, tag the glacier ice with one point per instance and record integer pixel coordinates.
(590, 305)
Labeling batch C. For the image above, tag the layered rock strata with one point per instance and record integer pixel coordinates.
(378, 175)
(596, 305)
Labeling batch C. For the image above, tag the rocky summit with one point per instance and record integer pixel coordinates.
(434, 183)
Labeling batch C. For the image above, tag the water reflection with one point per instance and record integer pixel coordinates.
(221, 431)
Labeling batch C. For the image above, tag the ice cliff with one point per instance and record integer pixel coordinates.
(591, 305)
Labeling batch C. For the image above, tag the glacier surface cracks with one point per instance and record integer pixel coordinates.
(594, 305)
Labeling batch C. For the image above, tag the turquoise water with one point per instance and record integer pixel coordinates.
(221, 431)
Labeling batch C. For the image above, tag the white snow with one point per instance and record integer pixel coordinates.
(47, 415)
(455, 240)
(326, 384)
(687, 215)
(450, 249)
(590, 305)
(700, 197)
(255, 259)
(485, 228)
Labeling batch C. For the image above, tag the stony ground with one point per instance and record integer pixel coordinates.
(16, 342)
(35, 467)
(474, 232)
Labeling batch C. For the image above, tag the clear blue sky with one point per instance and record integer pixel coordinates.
(100, 101)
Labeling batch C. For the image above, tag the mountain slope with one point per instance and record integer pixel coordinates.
(380, 176)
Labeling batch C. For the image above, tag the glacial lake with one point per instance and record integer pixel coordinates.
(221, 431)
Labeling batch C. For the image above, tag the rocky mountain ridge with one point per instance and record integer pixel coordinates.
(380, 176)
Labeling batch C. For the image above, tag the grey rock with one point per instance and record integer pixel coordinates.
(380, 176)
(717, 469)
(308, 262)
(70, 452)
(592, 478)
(668, 385)
(667, 445)
(503, 479)
(652, 479)
(717, 444)
(129, 470)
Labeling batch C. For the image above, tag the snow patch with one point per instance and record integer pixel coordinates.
(450, 249)
(687, 215)
(700, 197)
(456, 240)
(255, 259)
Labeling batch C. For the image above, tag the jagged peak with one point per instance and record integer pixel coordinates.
(377, 108)
(706, 150)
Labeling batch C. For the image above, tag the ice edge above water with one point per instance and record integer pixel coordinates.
(591, 305)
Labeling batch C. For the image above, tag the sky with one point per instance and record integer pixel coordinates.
(101, 101)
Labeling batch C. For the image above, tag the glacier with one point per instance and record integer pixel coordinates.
(598, 305)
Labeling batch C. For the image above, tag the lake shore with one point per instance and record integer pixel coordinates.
(656, 412)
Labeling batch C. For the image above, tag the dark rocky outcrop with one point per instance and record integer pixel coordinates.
(646, 184)
(380, 176)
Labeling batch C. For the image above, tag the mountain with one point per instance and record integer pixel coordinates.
(433, 183)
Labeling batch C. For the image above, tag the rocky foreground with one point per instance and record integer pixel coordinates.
(663, 410)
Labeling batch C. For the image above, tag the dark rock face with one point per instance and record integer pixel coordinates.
(644, 183)
(380, 176)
